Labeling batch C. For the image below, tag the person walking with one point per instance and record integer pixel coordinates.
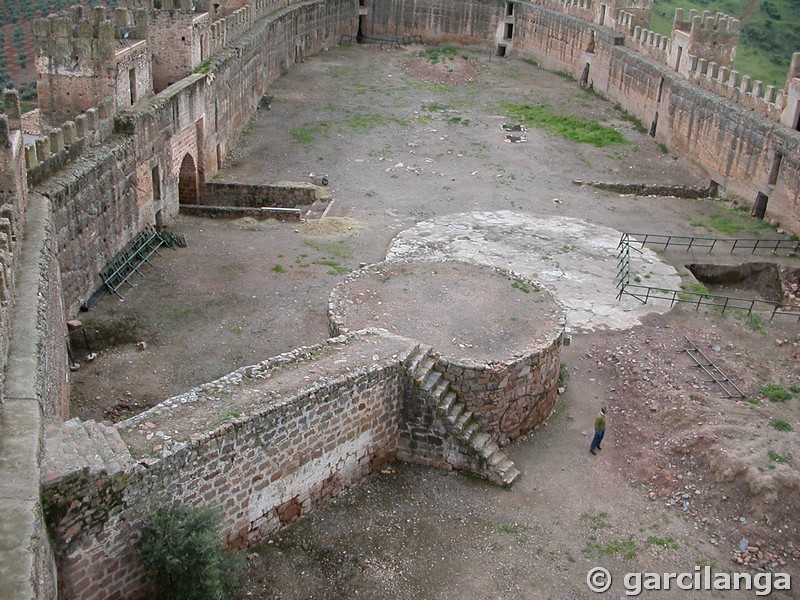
(599, 430)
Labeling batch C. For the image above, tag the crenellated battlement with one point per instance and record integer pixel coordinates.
(707, 22)
(179, 6)
(649, 41)
(227, 29)
(66, 143)
(88, 34)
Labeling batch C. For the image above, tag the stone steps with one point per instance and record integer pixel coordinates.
(77, 445)
(459, 419)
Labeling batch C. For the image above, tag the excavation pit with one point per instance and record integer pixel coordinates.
(760, 280)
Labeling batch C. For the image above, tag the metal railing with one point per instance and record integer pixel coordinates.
(691, 243)
(646, 293)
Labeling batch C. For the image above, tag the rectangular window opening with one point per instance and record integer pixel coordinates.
(501, 50)
(509, 31)
(509, 9)
(776, 168)
(156, 177)
(132, 84)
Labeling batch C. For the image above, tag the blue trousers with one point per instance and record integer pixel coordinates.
(598, 437)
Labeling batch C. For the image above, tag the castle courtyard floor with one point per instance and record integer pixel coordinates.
(421, 169)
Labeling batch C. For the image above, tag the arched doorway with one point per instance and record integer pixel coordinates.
(187, 181)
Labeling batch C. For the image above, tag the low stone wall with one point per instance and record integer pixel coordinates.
(643, 189)
(283, 194)
(264, 469)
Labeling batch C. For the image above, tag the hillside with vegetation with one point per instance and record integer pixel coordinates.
(770, 32)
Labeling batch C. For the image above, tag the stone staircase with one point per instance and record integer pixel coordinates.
(489, 459)
(75, 446)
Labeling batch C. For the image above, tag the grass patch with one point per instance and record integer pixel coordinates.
(563, 375)
(597, 521)
(567, 126)
(693, 289)
(625, 548)
(439, 53)
(308, 133)
(565, 75)
(626, 116)
(663, 542)
(279, 268)
(776, 393)
(458, 121)
(510, 528)
(366, 123)
(335, 267)
(436, 107)
(778, 458)
(663, 148)
(522, 287)
(781, 425)
(754, 322)
(228, 415)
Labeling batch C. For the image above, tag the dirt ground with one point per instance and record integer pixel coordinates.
(687, 475)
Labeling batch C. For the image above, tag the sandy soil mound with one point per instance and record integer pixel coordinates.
(329, 226)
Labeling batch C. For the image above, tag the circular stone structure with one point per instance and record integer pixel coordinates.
(494, 336)
(576, 260)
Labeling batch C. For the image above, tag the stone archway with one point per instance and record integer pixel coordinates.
(187, 181)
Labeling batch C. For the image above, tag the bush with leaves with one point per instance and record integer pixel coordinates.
(184, 555)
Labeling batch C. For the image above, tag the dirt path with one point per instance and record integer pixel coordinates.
(685, 474)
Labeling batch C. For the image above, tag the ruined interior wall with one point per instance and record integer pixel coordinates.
(136, 59)
(263, 471)
(285, 195)
(508, 399)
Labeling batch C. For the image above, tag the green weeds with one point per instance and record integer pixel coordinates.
(569, 127)
(781, 425)
(776, 393)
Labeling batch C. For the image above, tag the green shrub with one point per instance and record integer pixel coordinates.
(183, 554)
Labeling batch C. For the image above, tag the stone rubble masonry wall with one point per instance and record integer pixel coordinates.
(263, 470)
